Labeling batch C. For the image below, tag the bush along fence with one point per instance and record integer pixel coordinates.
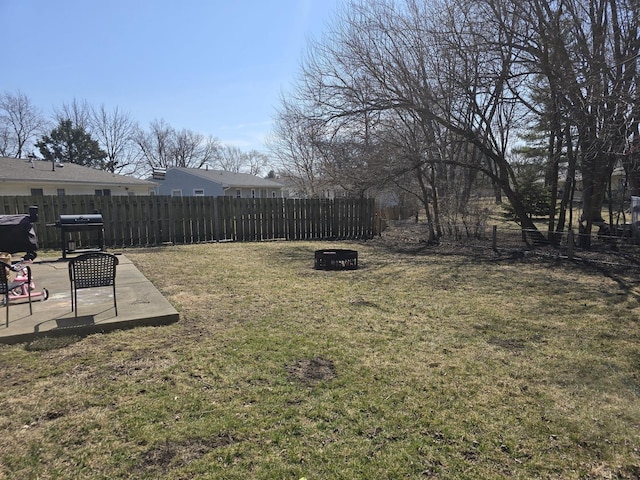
(158, 220)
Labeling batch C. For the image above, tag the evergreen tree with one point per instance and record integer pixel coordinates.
(533, 193)
(70, 144)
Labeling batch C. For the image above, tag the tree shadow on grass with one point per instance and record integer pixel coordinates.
(623, 269)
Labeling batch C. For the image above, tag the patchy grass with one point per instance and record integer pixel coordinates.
(413, 366)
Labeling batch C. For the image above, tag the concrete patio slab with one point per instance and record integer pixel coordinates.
(139, 303)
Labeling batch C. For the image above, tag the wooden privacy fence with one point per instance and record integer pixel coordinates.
(157, 220)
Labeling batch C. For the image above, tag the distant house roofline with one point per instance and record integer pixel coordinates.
(41, 171)
(230, 179)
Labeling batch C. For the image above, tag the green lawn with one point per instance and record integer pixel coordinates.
(424, 365)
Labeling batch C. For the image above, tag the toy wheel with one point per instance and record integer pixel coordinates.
(45, 294)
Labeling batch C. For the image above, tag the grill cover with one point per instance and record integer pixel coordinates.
(17, 234)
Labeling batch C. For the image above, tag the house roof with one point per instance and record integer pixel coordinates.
(230, 179)
(25, 170)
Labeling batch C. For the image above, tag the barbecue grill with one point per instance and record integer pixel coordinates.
(80, 223)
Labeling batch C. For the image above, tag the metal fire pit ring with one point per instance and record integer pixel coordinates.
(336, 259)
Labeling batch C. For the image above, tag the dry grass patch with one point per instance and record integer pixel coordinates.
(428, 364)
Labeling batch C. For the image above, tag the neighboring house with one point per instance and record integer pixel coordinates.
(24, 176)
(323, 189)
(198, 182)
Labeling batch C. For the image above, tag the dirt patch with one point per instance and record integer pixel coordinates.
(507, 343)
(312, 370)
(176, 454)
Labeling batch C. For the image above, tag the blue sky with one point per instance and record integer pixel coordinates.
(216, 67)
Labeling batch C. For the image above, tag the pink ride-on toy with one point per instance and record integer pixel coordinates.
(17, 234)
(23, 286)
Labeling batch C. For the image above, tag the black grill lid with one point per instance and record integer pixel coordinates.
(85, 219)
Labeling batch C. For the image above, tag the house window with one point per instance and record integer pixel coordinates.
(37, 192)
(253, 193)
(273, 194)
(61, 192)
(103, 192)
(176, 193)
(238, 193)
(198, 192)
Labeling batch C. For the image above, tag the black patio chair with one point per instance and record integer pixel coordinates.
(6, 287)
(89, 270)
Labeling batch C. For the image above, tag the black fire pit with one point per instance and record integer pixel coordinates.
(336, 259)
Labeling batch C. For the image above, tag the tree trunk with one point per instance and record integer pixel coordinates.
(426, 195)
(595, 177)
(569, 185)
(436, 207)
(555, 150)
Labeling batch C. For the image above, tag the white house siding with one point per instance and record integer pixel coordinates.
(20, 176)
(69, 189)
(249, 193)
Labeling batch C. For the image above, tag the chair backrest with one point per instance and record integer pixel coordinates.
(95, 269)
(4, 278)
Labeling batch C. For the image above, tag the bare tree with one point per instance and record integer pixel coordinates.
(20, 124)
(6, 139)
(161, 147)
(352, 152)
(113, 129)
(231, 159)
(78, 111)
(115, 132)
(582, 55)
(471, 67)
(294, 143)
(156, 145)
(256, 162)
(432, 61)
(194, 150)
